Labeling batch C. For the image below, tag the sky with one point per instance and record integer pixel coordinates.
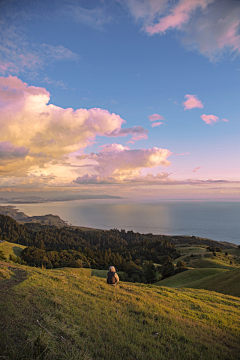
(134, 98)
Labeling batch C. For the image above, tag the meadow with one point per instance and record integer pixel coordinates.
(73, 314)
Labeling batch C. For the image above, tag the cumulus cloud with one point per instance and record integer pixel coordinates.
(156, 124)
(118, 163)
(192, 102)
(155, 117)
(211, 26)
(209, 119)
(47, 131)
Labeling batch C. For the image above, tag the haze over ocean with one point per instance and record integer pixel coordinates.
(213, 220)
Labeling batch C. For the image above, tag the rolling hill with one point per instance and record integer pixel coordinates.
(70, 314)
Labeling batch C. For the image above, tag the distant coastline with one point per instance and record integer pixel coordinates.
(55, 220)
(40, 200)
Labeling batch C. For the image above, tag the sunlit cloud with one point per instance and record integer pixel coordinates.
(55, 131)
(192, 102)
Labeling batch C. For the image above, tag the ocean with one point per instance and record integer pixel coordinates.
(214, 220)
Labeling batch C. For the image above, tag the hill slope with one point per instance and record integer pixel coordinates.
(227, 282)
(187, 277)
(11, 248)
(56, 314)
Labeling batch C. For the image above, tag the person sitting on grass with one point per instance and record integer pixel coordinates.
(112, 276)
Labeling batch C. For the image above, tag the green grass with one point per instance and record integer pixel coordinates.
(187, 277)
(213, 263)
(226, 283)
(11, 249)
(5, 273)
(187, 251)
(69, 314)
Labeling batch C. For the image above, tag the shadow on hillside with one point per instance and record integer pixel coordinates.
(17, 250)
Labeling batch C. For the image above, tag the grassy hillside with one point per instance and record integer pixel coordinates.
(226, 283)
(212, 263)
(187, 251)
(187, 277)
(11, 248)
(70, 314)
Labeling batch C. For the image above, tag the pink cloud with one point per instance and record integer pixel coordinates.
(118, 163)
(192, 102)
(218, 22)
(197, 168)
(225, 120)
(8, 67)
(178, 16)
(155, 117)
(156, 124)
(209, 119)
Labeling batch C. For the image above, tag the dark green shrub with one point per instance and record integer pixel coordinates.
(181, 263)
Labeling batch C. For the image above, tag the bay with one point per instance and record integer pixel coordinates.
(214, 220)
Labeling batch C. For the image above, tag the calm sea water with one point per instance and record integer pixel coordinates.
(214, 220)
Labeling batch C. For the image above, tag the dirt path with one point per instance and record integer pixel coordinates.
(7, 285)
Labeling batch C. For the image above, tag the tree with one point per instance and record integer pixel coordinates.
(168, 269)
(181, 263)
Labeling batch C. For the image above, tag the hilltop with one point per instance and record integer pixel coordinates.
(69, 314)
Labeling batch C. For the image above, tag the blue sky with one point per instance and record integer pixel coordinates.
(75, 74)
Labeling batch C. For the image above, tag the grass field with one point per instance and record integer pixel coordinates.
(187, 251)
(69, 314)
(189, 276)
(226, 283)
(213, 263)
(11, 249)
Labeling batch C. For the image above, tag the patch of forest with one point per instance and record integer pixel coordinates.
(132, 253)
